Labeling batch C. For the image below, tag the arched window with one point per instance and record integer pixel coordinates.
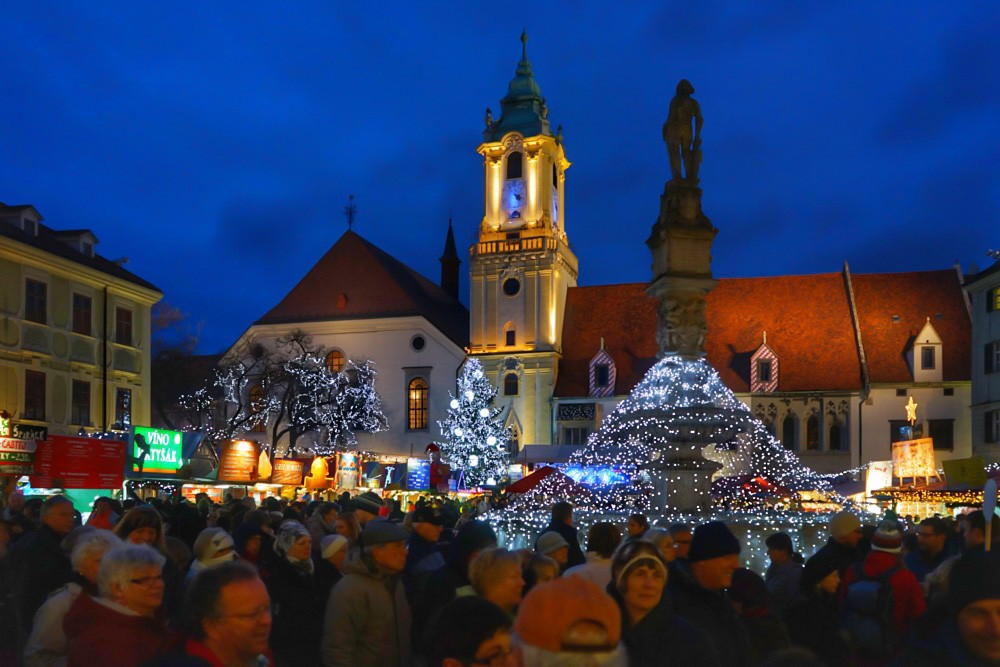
(788, 432)
(335, 361)
(812, 433)
(836, 437)
(514, 165)
(256, 405)
(555, 178)
(509, 334)
(510, 384)
(416, 404)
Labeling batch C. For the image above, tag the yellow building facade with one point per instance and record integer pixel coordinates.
(75, 330)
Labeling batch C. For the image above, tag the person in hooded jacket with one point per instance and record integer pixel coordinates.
(322, 523)
(248, 542)
(295, 598)
(813, 622)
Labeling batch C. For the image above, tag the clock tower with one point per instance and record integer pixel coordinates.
(522, 266)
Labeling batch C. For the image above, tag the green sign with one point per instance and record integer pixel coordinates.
(156, 451)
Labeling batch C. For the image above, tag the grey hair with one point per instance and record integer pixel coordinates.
(532, 656)
(656, 535)
(93, 543)
(119, 565)
(485, 569)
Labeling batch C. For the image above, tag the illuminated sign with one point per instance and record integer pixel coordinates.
(914, 458)
(17, 457)
(238, 461)
(879, 476)
(156, 451)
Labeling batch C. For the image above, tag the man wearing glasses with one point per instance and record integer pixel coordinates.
(931, 548)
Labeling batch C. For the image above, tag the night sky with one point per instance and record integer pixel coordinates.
(215, 144)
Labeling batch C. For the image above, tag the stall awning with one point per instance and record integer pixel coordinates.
(526, 484)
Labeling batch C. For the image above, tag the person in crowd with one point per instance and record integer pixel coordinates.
(248, 543)
(213, 547)
(562, 523)
(366, 507)
(813, 622)
(123, 626)
(555, 546)
(681, 533)
(970, 636)
(697, 589)
(650, 630)
(495, 574)
(47, 645)
(144, 525)
(469, 632)
(323, 522)
(295, 598)
(367, 621)
(15, 506)
(973, 539)
(931, 551)
(102, 515)
(347, 525)
(569, 621)
(784, 574)
(423, 554)
(395, 512)
(37, 563)
(663, 541)
(752, 600)
(861, 595)
(842, 547)
(330, 564)
(602, 540)
(537, 569)
(636, 526)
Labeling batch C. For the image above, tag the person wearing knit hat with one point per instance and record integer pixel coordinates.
(842, 546)
(295, 597)
(423, 554)
(570, 620)
(214, 546)
(784, 573)
(697, 590)
(553, 545)
(330, 563)
(813, 622)
(367, 506)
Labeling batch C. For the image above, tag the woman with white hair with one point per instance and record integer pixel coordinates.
(47, 643)
(297, 625)
(123, 626)
(495, 575)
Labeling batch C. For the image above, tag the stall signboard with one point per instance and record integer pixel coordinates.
(913, 458)
(28, 431)
(970, 473)
(393, 475)
(238, 461)
(156, 451)
(418, 474)
(17, 456)
(69, 462)
(287, 471)
(879, 476)
(319, 474)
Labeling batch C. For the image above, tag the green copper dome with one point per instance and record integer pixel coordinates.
(523, 108)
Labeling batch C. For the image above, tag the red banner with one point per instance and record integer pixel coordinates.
(79, 463)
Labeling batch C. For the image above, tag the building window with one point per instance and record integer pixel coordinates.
(764, 370)
(943, 433)
(82, 314)
(256, 400)
(575, 435)
(836, 437)
(34, 395)
(926, 358)
(900, 392)
(788, 432)
(510, 384)
(991, 430)
(812, 433)
(949, 391)
(80, 412)
(555, 178)
(602, 375)
(993, 299)
(123, 408)
(991, 357)
(123, 326)
(511, 286)
(335, 361)
(514, 165)
(416, 404)
(35, 301)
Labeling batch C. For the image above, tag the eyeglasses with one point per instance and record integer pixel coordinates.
(147, 581)
(261, 612)
(499, 658)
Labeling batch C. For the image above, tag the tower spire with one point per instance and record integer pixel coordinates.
(450, 262)
(524, 44)
(349, 212)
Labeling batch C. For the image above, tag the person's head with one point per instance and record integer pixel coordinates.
(247, 541)
(537, 570)
(102, 506)
(132, 576)
(569, 621)
(749, 593)
(603, 538)
(470, 632)
(553, 545)
(820, 577)
(495, 574)
(975, 529)
(328, 512)
(15, 501)
(639, 574)
(366, 507)
(228, 608)
(684, 87)
(845, 528)
(213, 546)
(58, 514)
(562, 512)
(636, 525)
(661, 538)
(779, 548)
(931, 535)
(142, 525)
(89, 550)
(293, 542)
(428, 523)
(347, 525)
(714, 555)
(681, 533)
(385, 545)
(333, 548)
(974, 603)
(888, 537)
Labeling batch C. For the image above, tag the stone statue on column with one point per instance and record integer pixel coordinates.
(682, 132)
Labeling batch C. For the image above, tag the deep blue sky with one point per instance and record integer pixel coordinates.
(215, 143)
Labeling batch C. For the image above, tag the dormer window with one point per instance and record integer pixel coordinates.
(926, 358)
(763, 370)
(602, 374)
(29, 226)
(514, 166)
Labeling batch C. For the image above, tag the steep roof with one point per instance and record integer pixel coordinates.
(912, 297)
(356, 280)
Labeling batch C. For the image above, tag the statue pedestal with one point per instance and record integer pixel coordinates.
(682, 479)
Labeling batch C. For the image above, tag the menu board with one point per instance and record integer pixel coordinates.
(418, 474)
(287, 471)
(79, 463)
(913, 458)
(238, 461)
(17, 456)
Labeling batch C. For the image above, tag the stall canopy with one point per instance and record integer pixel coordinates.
(526, 484)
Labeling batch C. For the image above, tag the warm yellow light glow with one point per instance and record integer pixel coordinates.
(911, 411)
(263, 465)
(532, 190)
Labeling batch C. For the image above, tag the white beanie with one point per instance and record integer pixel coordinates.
(331, 544)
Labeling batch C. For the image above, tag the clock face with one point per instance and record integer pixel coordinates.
(514, 199)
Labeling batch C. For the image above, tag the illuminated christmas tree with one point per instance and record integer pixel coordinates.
(475, 441)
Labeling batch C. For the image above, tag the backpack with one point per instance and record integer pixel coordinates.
(868, 612)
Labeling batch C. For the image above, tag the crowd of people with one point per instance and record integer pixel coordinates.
(365, 582)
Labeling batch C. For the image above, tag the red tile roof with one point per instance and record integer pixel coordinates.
(356, 280)
(807, 320)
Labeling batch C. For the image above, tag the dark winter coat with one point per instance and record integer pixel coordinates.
(713, 612)
(192, 653)
(422, 558)
(37, 566)
(841, 555)
(570, 534)
(99, 635)
(942, 648)
(661, 634)
(297, 622)
(767, 635)
(814, 624)
(327, 575)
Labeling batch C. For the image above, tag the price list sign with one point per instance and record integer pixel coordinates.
(79, 463)
(17, 456)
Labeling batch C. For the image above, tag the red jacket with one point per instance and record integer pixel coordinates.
(908, 595)
(100, 636)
